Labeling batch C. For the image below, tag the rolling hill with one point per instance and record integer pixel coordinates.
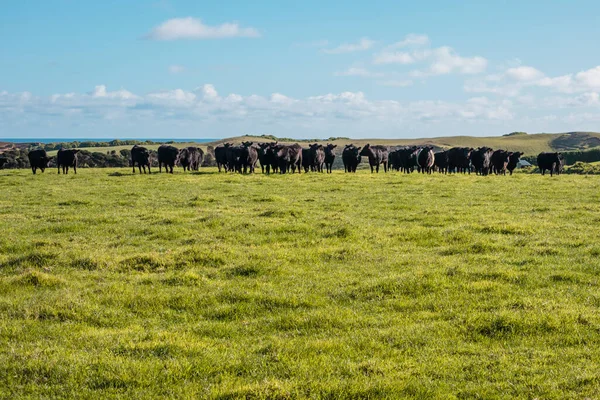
(530, 144)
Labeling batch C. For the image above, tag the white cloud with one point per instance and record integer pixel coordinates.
(442, 61)
(173, 96)
(524, 73)
(412, 40)
(101, 92)
(355, 71)
(193, 28)
(176, 69)
(209, 92)
(350, 112)
(388, 57)
(361, 45)
(515, 80)
(446, 60)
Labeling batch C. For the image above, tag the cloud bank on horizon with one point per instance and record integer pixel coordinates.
(188, 77)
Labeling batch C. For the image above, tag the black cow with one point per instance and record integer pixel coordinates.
(66, 158)
(167, 156)
(249, 156)
(482, 160)
(553, 162)
(412, 159)
(329, 156)
(289, 158)
(140, 156)
(234, 154)
(459, 159)
(513, 160)
(377, 155)
(221, 156)
(37, 159)
(406, 159)
(306, 164)
(441, 161)
(426, 159)
(317, 157)
(351, 157)
(265, 156)
(394, 160)
(500, 160)
(3, 161)
(190, 158)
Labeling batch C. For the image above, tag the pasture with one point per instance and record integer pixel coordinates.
(209, 285)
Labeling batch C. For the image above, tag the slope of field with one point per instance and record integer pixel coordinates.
(210, 285)
(530, 144)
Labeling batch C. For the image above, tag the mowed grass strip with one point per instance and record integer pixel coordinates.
(211, 285)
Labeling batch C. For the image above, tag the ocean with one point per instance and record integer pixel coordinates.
(64, 140)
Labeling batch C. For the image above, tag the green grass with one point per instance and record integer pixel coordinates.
(209, 285)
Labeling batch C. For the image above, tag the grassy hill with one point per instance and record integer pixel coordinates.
(530, 144)
(209, 285)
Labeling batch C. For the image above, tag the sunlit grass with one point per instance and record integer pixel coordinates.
(312, 285)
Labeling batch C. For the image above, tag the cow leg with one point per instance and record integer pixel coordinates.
(59, 169)
(33, 170)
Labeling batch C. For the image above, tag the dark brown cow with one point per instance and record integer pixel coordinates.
(377, 155)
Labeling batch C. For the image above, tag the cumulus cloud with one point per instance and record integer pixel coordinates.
(205, 103)
(388, 57)
(352, 113)
(412, 40)
(445, 61)
(362, 45)
(193, 28)
(442, 60)
(101, 92)
(514, 80)
(524, 73)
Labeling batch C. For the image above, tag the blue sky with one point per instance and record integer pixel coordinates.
(179, 68)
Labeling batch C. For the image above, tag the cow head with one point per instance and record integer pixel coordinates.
(365, 150)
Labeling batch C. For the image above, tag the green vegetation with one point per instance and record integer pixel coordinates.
(343, 286)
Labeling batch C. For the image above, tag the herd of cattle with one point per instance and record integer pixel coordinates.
(279, 158)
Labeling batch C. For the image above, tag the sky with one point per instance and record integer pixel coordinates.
(310, 69)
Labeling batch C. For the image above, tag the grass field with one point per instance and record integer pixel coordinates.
(209, 285)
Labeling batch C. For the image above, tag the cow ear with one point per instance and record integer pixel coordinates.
(334, 146)
(76, 151)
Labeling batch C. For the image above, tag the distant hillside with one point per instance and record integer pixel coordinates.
(530, 144)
